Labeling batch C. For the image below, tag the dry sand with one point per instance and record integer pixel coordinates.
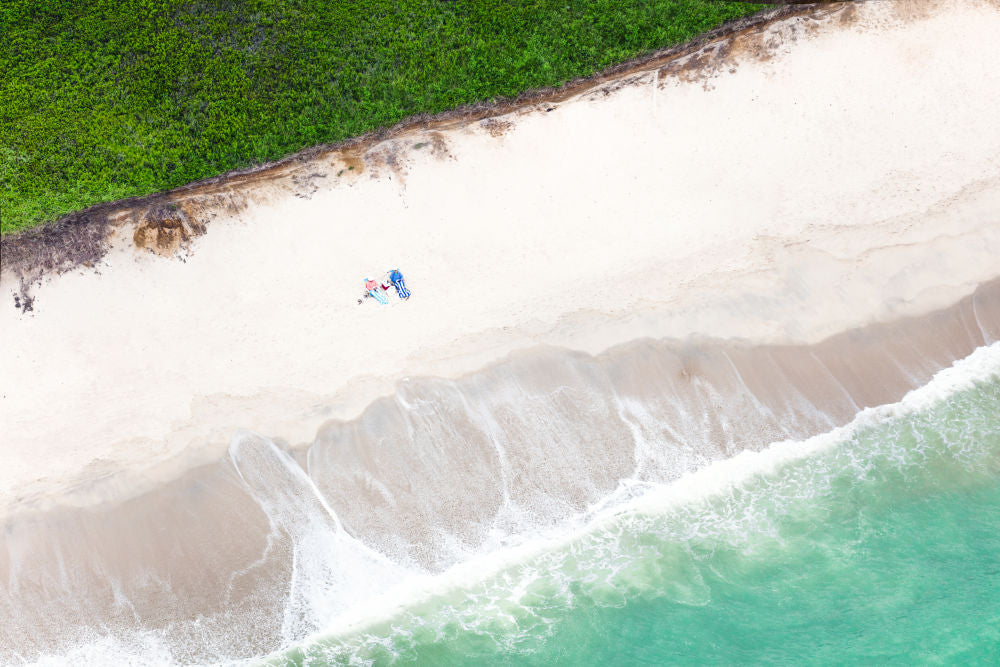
(829, 173)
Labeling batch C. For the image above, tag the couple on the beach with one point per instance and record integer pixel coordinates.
(377, 290)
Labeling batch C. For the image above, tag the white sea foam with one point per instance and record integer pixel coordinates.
(635, 500)
(983, 364)
(342, 588)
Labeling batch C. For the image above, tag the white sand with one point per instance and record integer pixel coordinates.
(851, 178)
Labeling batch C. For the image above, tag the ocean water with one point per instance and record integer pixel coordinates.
(698, 542)
(878, 542)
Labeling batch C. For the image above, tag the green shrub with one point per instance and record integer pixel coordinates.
(107, 99)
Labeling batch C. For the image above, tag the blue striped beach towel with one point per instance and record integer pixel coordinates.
(397, 281)
(401, 289)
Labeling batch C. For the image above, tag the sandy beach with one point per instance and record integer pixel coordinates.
(783, 227)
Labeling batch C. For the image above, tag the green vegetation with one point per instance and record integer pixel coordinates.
(107, 99)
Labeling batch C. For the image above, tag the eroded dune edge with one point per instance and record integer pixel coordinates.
(164, 222)
(210, 440)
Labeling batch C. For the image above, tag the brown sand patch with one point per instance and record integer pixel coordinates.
(496, 127)
(913, 10)
(353, 163)
(756, 43)
(439, 146)
(849, 14)
(387, 156)
(166, 229)
(307, 184)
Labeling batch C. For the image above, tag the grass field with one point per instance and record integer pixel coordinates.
(108, 99)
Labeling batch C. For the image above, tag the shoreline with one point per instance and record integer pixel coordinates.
(386, 498)
(423, 593)
(703, 483)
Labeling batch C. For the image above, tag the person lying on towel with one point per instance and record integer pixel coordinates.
(372, 288)
(397, 280)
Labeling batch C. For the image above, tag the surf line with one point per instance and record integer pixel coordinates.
(981, 365)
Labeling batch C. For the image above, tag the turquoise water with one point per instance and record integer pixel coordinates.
(877, 543)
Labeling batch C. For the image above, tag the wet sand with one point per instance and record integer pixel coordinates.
(435, 474)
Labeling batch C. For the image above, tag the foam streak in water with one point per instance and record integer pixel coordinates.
(665, 543)
(330, 570)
